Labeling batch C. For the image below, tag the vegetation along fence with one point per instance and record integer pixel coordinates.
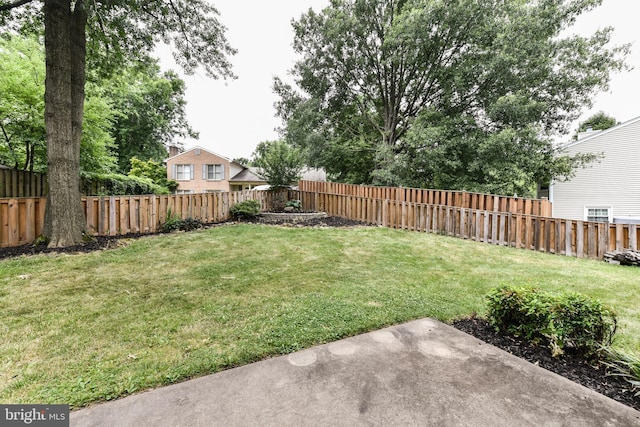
(16, 183)
(489, 219)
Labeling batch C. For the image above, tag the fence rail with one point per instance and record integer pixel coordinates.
(580, 239)
(461, 199)
(16, 183)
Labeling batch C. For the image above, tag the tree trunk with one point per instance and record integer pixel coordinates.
(65, 43)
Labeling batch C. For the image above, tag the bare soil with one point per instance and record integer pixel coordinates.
(592, 375)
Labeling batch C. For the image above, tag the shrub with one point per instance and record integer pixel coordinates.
(115, 184)
(566, 321)
(189, 224)
(174, 223)
(295, 204)
(246, 209)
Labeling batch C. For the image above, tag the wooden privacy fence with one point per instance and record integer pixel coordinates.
(551, 235)
(22, 219)
(16, 183)
(461, 199)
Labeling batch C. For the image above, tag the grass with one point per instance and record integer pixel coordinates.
(84, 328)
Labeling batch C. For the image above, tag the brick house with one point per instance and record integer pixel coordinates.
(201, 171)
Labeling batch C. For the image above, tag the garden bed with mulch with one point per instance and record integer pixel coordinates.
(593, 376)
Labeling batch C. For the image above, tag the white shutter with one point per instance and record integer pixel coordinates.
(222, 169)
(191, 170)
(174, 171)
(204, 172)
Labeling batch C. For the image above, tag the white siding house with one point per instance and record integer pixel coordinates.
(608, 190)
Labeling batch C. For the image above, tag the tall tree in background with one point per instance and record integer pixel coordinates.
(22, 145)
(471, 79)
(150, 109)
(111, 32)
(598, 121)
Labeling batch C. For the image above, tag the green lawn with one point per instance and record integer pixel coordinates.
(82, 328)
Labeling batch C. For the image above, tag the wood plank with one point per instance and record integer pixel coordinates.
(568, 236)
(580, 239)
(619, 237)
(603, 239)
(486, 227)
(633, 237)
(13, 216)
(30, 220)
(113, 227)
(592, 250)
(494, 224)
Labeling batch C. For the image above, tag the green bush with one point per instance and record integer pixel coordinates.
(245, 210)
(566, 321)
(295, 204)
(117, 185)
(175, 223)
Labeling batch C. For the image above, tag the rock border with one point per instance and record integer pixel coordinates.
(290, 217)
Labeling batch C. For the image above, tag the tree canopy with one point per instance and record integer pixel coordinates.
(460, 94)
(150, 111)
(278, 163)
(135, 112)
(597, 121)
(100, 35)
(22, 146)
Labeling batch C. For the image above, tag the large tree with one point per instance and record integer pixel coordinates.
(22, 141)
(490, 76)
(150, 109)
(80, 33)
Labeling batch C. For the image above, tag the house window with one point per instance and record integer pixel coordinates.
(184, 191)
(213, 172)
(597, 214)
(183, 172)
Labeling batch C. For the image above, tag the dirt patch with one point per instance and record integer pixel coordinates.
(593, 376)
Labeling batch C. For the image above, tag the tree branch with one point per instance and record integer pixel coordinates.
(14, 4)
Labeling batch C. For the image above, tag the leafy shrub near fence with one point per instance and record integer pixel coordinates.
(118, 185)
(175, 223)
(245, 210)
(566, 321)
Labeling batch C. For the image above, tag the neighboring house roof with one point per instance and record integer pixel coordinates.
(4, 167)
(201, 149)
(587, 136)
(247, 175)
(251, 175)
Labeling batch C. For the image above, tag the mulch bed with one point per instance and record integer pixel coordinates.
(569, 366)
(593, 376)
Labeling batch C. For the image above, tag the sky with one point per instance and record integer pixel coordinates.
(232, 117)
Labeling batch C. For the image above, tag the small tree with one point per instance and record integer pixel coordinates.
(152, 170)
(278, 163)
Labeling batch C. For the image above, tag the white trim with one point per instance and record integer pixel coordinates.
(609, 210)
